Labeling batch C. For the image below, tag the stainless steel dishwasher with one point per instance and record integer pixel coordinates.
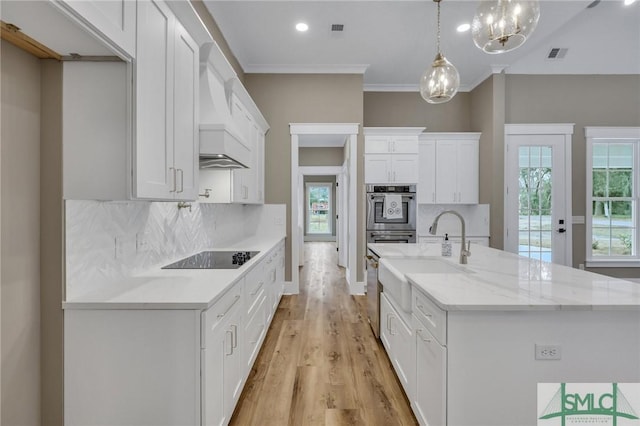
(374, 288)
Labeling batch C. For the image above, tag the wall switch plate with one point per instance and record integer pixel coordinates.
(545, 352)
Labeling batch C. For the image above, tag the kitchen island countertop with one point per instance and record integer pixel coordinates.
(498, 280)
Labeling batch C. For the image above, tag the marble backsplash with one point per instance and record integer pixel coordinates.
(108, 240)
(476, 218)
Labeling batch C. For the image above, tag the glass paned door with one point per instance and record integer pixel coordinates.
(319, 208)
(536, 200)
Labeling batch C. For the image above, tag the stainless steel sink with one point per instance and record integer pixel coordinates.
(392, 275)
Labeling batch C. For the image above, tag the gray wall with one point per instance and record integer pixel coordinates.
(20, 240)
(305, 98)
(320, 156)
(51, 243)
(586, 100)
(318, 179)
(408, 109)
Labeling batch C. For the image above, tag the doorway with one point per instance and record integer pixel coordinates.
(321, 135)
(538, 192)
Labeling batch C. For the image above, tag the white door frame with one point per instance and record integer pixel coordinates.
(566, 131)
(350, 131)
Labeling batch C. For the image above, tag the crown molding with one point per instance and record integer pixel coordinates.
(306, 69)
(400, 88)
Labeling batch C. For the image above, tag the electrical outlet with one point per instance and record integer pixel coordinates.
(544, 352)
(142, 244)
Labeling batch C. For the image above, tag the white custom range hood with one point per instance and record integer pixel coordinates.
(223, 143)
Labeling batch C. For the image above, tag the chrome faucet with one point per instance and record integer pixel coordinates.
(464, 251)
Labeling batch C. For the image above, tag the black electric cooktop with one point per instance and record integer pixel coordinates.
(214, 260)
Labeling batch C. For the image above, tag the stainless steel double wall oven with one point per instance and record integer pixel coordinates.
(381, 229)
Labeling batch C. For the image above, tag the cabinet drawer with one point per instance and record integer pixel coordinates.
(254, 287)
(433, 318)
(222, 308)
(255, 332)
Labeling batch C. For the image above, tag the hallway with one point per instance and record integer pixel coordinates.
(320, 363)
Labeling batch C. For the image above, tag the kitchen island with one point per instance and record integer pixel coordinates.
(475, 340)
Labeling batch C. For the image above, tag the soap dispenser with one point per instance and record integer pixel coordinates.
(446, 246)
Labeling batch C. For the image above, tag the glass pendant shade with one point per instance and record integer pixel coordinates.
(503, 25)
(440, 82)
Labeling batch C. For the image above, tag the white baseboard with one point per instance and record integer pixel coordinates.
(290, 288)
(357, 288)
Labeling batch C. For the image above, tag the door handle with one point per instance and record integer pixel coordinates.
(562, 230)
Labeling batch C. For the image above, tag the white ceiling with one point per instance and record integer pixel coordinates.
(393, 42)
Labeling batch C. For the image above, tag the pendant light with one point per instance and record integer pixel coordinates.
(503, 25)
(441, 81)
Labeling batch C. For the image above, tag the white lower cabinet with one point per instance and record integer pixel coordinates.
(429, 401)
(222, 358)
(397, 336)
(161, 367)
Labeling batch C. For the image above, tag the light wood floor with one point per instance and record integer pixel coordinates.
(320, 363)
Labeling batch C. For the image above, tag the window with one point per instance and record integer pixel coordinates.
(613, 196)
(319, 208)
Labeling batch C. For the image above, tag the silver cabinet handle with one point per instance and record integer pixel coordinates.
(229, 308)
(229, 332)
(419, 334)
(181, 180)
(421, 309)
(257, 289)
(234, 335)
(173, 170)
(391, 327)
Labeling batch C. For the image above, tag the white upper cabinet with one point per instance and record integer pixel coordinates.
(449, 168)
(165, 119)
(391, 154)
(113, 20)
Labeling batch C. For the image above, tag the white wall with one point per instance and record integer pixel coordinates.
(20, 239)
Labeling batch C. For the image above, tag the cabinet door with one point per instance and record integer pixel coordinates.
(115, 20)
(404, 354)
(431, 387)
(404, 168)
(233, 365)
(377, 144)
(218, 343)
(446, 172)
(468, 173)
(404, 144)
(427, 172)
(185, 114)
(386, 336)
(154, 173)
(259, 165)
(377, 168)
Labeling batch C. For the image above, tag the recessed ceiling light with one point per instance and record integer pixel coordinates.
(463, 28)
(302, 27)
(628, 2)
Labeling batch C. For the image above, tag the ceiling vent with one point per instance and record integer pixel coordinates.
(557, 53)
(337, 27)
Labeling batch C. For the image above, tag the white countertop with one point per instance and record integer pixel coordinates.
(159, 288)
(497, 280)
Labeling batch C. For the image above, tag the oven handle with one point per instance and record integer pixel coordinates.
(395, 234)
(381, 197)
